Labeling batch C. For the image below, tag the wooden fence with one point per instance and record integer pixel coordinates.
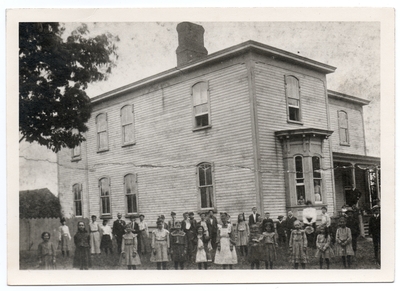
(30, 231)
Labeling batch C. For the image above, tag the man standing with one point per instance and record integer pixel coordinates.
(189, 227)
(375, 232)
(289, 224)
(171, 223)
(212, 226)
(253, 218)
(94, 229)
(119, 230)
(266, 220)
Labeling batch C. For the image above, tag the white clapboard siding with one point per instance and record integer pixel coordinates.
(355, 126)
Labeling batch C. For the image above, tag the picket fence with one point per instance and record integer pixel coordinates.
(30, 231)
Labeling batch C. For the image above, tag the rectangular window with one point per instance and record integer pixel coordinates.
(205, 182)
(102, 137)
(77, 190)
(76, 153)
(300, 187)
(128, 125)
(293, 98)
(317, 179)
(104, 185)
(343, 128)
(201, 105)
(130, 187)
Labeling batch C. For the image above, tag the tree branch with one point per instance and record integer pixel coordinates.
(22, 138)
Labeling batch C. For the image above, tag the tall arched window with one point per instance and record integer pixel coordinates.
(101, 127)
(343, 127)
(130, 190)
(317, 179)
(105, 200)
(127, 124)
(300, 186)
(205, 185)
(201, 105)
(77, 191)
(293, 98)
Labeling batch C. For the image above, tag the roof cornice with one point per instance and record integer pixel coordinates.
(348, 98)
(230, 52)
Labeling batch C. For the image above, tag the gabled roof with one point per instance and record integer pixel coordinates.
(348, 98)
(230, 52)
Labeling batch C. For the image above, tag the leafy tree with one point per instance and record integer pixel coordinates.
(39, 203)
(53, 76)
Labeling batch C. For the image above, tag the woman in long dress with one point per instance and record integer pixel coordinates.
(226, 252)
(82, 248)
(201, 244)
(129, 249)
(298, 246)
(243, 232)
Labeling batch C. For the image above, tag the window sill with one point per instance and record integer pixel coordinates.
(345, 144)
(305, 206)
(76, 159)
(102, 151)
(201, 128)
(106, 216)
(295, 122)
(129, 215)
(128, 144)
(207, 209)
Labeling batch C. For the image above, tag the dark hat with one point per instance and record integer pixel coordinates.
(141, 215)
(280, 216)
(324, 207)
(186, 213)
(94, 216)
(191, 213)
(162, 216)
(173, 213)
(375, 207)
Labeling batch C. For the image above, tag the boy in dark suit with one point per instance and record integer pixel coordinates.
(253, 218)
(280, 229)
(118, 230)
(289, 223)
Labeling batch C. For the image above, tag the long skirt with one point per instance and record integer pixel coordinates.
(347, 250)
(161, 250)
(143, 242)
(269, 252)
(255, 252)
(47, 263)
(225, 256)
(327, 254)
(299, 255)
(82, 258)
(178, 253)
(106, 242)
(95, 242)
(242, 238)
(128, 259)
(64, 243)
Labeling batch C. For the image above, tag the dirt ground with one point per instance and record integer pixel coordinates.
(364, 260)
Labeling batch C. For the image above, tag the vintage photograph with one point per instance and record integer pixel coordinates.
(200, 145)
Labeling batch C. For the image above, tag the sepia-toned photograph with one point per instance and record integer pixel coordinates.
(195, 144)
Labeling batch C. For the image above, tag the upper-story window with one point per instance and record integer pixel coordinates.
(102, 136)
(105, 200)
(130, 189)
(293, 98)
(76, 153)
(77, 191)
(201, 106)
(343, 127)
(128, 125)
(205, 185)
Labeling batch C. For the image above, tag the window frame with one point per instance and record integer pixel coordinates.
(133, 141)
(320, 179)
(136, 194)
(106, 148)
(341, 142)
(288, 106)
(194, 120)
(105, 214)
(199, 187)
(79, 185)
(296, 180)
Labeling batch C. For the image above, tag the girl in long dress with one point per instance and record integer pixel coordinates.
(160, 246)
(269, 246)
(242, 230)
(255, 246)
(46, 253)
(298, 246)
(324, 250)
(129, 249)
(201, 244)
(226, 252)
(64, 237)
(343, 243)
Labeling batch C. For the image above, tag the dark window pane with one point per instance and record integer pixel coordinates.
(299, 167)
(203, 194)
(316, 167)
(202, 120)
(202, 176)
(300, 191)
(294, 114)
(208, 175)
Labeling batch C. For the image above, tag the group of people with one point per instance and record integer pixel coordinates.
(207, 241)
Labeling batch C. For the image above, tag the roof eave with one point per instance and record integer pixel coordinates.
(348, 98)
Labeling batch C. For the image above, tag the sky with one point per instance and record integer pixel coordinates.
(148, 48)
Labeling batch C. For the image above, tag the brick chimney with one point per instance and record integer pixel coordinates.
(191, 43)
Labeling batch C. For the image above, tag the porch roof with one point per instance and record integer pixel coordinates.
(357, 159)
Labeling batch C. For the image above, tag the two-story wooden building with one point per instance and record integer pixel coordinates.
(251, 125)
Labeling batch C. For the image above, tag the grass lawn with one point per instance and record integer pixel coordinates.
(364, 260)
